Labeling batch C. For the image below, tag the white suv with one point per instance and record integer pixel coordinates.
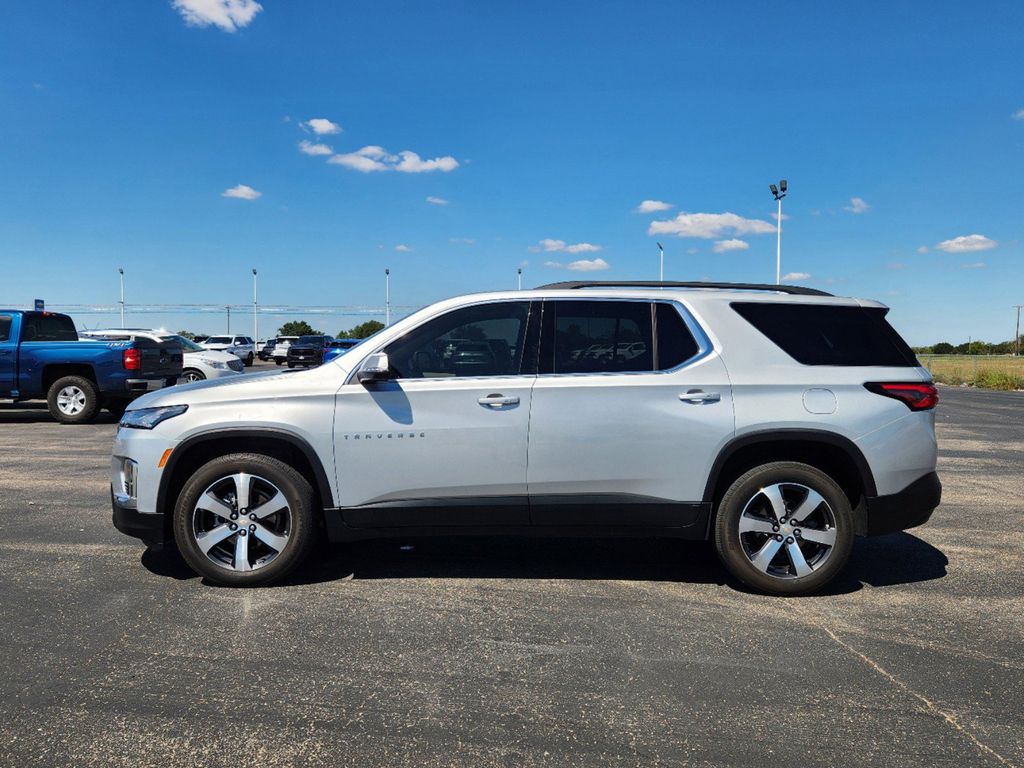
(240, 346)
(776, 421)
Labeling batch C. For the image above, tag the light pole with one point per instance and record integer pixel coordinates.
(387, 296)
(519, 275)
(255, 321)
(1016, 333)
(228, 308)
(661, 263)
(779, 193)
(120, 271)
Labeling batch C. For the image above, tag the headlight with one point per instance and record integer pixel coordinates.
(147, 418)
(216, 364)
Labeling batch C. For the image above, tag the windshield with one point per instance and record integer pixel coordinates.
(309, 341)
(219, 340)
(186, 344)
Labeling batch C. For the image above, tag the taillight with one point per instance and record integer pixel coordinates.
(132, 360)
(917, 397)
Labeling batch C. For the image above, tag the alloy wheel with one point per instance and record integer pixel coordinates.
(71, 400)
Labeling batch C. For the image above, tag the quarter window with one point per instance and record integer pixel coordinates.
(482, 340)
(5, 327)
(676, 344)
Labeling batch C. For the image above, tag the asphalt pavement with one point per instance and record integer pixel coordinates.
(510, 652)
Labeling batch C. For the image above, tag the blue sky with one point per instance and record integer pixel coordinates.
(541, 126)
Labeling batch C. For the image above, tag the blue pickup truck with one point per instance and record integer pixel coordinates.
(41, 357)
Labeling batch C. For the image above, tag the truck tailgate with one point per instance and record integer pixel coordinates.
(159, 359)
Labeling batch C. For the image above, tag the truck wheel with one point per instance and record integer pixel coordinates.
(244, 520)
(784, 528)
(278, 362)
(73, 400)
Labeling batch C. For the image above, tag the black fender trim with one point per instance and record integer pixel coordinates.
(323, 484)
(794, 436)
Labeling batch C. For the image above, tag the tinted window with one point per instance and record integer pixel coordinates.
(309, 341)
(5, 327)
(828, 335)
(676, 344)
(599, 337)
(46, 327)
(219, 340)
(484, 340)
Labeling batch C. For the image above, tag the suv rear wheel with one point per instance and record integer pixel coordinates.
(245, 520)
(784, 528)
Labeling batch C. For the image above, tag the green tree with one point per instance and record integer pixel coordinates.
(362, 331)
(187, 334)
(297, 328)
(943, 348)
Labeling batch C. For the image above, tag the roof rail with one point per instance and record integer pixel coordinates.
(796, 290)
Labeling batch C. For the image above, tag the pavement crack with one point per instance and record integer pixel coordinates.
(929, 705)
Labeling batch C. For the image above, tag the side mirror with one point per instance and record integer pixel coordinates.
(374, 368)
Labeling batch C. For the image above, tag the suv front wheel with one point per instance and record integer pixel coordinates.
(245, 520)
(784, 528)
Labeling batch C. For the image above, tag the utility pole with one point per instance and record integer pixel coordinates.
(255, 321)
(120, 271)
(228, 308)
(661, 264)
(1016, 334)
(519, 273)
(387, 296)
(779, 193)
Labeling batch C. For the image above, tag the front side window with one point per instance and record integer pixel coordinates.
(482, 340)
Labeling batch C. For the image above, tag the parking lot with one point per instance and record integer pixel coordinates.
(510, 651)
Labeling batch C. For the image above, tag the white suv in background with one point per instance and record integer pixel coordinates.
(776, 421)
(240, 346)
(280, 352)
(198, 363)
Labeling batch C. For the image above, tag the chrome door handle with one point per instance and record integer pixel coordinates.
(498, 401)
(697, 396)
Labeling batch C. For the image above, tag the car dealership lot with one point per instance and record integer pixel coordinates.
(510, 651)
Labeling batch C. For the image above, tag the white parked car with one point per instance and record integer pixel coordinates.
(280, 353)
(242, 346)
(777, 422)
(199, 364)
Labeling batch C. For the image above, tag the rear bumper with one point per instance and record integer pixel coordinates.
(140, 525)
(908, 508)
(149, 385)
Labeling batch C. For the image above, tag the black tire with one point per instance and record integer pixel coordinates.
(779, 575)
(302, 531)
(278, 362)
(291, 365)
(116, 406)
(191, 374)
(86, 396)
(249, 360)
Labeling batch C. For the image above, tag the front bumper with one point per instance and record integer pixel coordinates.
(908, 508)
(149, 527)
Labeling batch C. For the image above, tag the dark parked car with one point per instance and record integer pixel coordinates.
(308, 350)
(267, 350)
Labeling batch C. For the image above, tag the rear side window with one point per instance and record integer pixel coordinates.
(815, 334)
(676, 344)
(5, 327)
(46, 327)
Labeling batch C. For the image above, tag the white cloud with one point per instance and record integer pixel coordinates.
(652, 206)
(975, 265)
(785, 216)
(583, 265)
(923, 249)
(796, 276)
(374, 158)
(403, 248)
(436, 200)
(321, 126)
(524, 264)
(309, 148)
(549, 245)
(691, 251)
(1018, 115)
(857, 205)
(721, 246)
(229, 15)
(462, 240)
(241, 192)
(966, 243)
(709, 226)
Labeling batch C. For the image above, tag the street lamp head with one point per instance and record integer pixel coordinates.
(254, 270)
(120, 270)
(387, 271)
(660, 248)
(783, 186)
(774, 189)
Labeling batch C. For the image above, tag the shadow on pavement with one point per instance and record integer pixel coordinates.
(36, 412)
(899, 558)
